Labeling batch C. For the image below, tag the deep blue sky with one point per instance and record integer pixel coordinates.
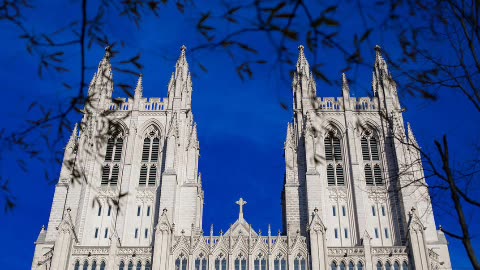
(241, 125)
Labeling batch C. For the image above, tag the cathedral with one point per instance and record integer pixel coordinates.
(130, 196)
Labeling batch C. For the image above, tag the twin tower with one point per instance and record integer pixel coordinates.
(130, 196)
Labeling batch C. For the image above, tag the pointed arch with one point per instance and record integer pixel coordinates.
(151, 122)
(332, 141)
(151, 134)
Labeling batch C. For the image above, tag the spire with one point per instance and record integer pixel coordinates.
(180, 85)
(139, 88)
(380, 63)
(345, 87)
(411, 138)
(181, 68)
(384, 87)
(101, 86)
(302, 63)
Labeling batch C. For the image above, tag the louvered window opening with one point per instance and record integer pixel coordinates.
(113, 158)
(148, 170)
(333, 155)
(371, 159)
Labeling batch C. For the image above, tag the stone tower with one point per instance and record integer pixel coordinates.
(130, 196)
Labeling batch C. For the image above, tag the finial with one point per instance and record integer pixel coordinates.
(344, 78)
(279, 232)
(269, 230)
(378, 48)
(221, 232)
(108, 52)
(43, 227)
(315, 210)
(241, 203)
(211, 230)
(184, 49)
(260, 232)
(301, 48)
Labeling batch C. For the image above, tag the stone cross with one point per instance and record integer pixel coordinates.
(241, 203)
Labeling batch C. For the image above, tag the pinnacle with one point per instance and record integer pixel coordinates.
(139, 88)
(302, 63)
(108, 52)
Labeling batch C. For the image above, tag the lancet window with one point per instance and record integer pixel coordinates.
(150, 157)
(201, 262)
(113, 158)
(221, 262)
(240, 262)
(299, 263)
(334, 160)
(260, 263)
(181, 263)
(371, 160)
(280, 263)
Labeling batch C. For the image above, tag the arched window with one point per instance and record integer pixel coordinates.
(85, 265)
(342, 266)
(143, 175)
(118, 150)
(201, 262)
(299, 263)
(221, 262)
(260, 263)
(378, 175)
(340, 179)
(121, 266)
(396, 266)
(181, 263)
(113, 158)
(405, 266)
(102, 266)
(351, 266)
(146, 150)
(94, 265)
(139, 265)
(152, 175)
(148, 266)
(240, 262)
(130, 266)
(330, 175)
(109, 152)
(379, 265)
(333, 266)
(150, 153)
(114, 177)
(359, 266)
(368, 175)
(371, 160)
(280, 263)
(155, 150)
(333, 155)
(388, 266)
(105, 174)
(77, 265)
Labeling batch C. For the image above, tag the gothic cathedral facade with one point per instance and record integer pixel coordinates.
(130, 195)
